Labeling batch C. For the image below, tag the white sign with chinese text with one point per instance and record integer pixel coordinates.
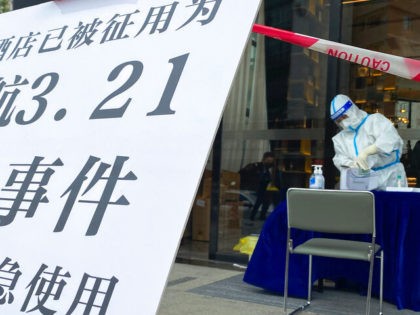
(108, 109)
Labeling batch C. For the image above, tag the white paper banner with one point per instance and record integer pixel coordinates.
(108, 109)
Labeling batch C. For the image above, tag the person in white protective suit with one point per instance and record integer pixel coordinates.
(368, 142)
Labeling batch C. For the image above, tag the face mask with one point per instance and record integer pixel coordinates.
(345, 124)
(268, 164)
(350, 123)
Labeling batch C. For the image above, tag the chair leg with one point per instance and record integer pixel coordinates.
(286, 276)
(372, 259)
(308, 302)
(381, 279)
(309, 280)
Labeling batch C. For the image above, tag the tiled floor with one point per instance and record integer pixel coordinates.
(206, 290)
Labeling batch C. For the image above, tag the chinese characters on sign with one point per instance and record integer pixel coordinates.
(121, 26)
(93, 295)
(9, 93)
(23, 193)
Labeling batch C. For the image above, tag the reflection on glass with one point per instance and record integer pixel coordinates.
(392, 27)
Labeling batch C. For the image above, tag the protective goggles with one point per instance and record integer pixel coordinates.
(342, 110)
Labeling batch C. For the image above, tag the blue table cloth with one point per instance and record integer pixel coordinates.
(397, 231)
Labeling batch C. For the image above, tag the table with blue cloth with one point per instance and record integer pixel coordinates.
(397, 231)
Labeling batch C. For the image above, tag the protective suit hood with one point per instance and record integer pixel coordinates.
(343, 105)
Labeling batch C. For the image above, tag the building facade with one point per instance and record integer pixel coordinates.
(280, 102)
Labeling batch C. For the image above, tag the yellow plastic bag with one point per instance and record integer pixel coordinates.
(247, 244)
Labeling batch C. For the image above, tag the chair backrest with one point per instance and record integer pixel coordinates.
(331, 211)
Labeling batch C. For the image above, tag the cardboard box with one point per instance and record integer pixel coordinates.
(229, 219)
(201, 219)
(229, 181)
(204, 189)
(188, 229)
(229, 216)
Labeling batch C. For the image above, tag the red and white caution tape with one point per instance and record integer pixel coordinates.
(400, 66)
